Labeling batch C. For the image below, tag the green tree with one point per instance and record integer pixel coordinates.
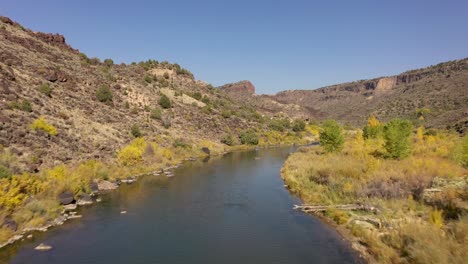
(165, 102)
(331, 136)
(397, 134)
(104, 94)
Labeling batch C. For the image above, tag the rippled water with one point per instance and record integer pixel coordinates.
(232, 209)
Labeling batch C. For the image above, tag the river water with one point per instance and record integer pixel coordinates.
(232, 209)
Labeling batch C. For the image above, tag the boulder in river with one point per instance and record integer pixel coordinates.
(93, 186)
(106, 185)
(206, 150)
(65, 198)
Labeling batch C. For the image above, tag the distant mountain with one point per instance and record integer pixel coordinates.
(442, 88)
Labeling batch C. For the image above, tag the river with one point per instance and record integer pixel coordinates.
(232, 209)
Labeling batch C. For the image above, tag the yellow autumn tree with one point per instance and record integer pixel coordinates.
(373, 129)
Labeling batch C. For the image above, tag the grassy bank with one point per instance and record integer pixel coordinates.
(421, 197)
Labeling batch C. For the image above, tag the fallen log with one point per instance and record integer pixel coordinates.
(321, 208)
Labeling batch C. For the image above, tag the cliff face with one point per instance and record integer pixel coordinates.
(441, 88)
(239, 88)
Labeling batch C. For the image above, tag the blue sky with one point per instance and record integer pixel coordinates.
(277, 45)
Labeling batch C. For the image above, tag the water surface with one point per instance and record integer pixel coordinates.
(232, 209)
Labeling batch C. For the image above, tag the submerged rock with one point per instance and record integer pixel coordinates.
(43, 247)
(69, 207)
(84, 199)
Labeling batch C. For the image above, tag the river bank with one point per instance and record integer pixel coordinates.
(418, 211)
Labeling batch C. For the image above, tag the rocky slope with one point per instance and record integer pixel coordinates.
(243, 93)
(94, 105)
(442, 88)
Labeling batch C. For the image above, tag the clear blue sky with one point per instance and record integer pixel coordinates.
(277, 45)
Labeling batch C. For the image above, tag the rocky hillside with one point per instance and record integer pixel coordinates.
(442, 89)
(59, 106)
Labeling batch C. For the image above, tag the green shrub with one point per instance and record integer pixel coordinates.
(23, 105)
(397, 138)
(41, 124)
(226, 113)
(298, 125)
(197, 95)
(104, 94)
(156, 113)
(148, 79)
(228, 140)
(165, 102)
(279, 124)
(135, 130)
(108, 62)
(180, 143)
(205, 99)
(166, 121)
(4, 172)
(331, 136)
(249, 137)
(460, 153)
(45, 90)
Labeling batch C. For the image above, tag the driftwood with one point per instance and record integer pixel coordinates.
(321, 208)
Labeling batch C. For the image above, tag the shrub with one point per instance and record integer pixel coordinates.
(135, 130)
(180, 143)
(133, 153)
(197, 95)
(228, 140)
(436, 218)
(165, 102)
(108, 62)
(166, 75)
(148, 79)
(45, 90)
(298, 125)
(166, 121)
(226, 113)
(460, 153)
(397, 138)
(331, 136)
(104, 94)
(205, 99)
(249, 137)
(23, 105)
(4, 172)
(156, 113)
(279, 124)
(41, 124)
(373, 129)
